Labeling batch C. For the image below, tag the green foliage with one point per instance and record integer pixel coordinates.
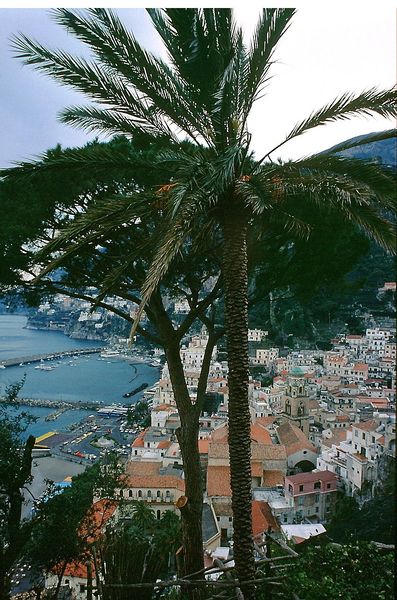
(374, 521)
(352, 571)
(139, 414)
(57, 534)
(141, 551)
(15, 474)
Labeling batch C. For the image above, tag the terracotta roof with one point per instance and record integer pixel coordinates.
(161, 407)
(139, 441)
(259, 434)
(258, 451)
(218, 450)
(312, 477)
(256, 469)
(381, 440)
(143, 467)
(218, 481)
(77, 569)
(338, 436)
(342, 418)
(203, 446)
(267, 452)
(164, 444)
(370, 425)
(262, 518)
(223, 509)
(361, 366)
(155, 481)
(360, 457)
(293, 438)
(220, 434)
(273, 478)
(95, 519)
(265, 421)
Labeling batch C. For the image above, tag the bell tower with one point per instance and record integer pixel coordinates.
(295, 402)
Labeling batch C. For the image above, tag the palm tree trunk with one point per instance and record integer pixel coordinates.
(234, 270)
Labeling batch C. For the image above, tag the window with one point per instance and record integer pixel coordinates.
(290, 489)
(149, 493)
(317, 509)
(230, 519)
(301, 488)
(328, 486)
(363, 436)
(301, 501)
(130, 493)
(317, 497)
(167, 493)
(82, 588)
(317, 485)
(120, 492)
(356, 432)
(139, 493)
(158, 494)
(373, 439)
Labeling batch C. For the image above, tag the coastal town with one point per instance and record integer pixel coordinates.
(322, 428)
(198, 304)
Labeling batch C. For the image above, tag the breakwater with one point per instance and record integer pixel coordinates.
(46, 403)
(26, 360)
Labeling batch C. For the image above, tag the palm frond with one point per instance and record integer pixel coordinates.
(369, 103)
(274, 22)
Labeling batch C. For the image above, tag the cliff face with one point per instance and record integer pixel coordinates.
(103, 329)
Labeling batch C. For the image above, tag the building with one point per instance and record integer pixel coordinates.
(301, 454)
(314, 494)
(295, 402)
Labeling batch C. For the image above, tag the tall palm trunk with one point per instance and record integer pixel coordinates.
(234, 269)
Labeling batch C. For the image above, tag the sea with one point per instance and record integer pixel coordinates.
(83, 379)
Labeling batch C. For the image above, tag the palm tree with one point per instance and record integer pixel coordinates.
(205, 92)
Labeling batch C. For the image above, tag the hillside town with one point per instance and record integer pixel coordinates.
(321, 430)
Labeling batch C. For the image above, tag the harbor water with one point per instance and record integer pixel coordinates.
(86, 378)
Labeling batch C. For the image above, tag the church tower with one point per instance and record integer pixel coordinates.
(295, 402)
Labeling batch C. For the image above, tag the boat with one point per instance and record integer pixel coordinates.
(135, 391)
(45, 367)
(112, 411)
(109, 354)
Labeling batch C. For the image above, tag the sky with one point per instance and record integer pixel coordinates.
(330, 48)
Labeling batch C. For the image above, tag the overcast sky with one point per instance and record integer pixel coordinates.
(329, 48)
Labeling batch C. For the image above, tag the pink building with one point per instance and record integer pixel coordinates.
(314, 494)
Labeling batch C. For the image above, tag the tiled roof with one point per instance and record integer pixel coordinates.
(218, 481)
(370, 425)
(258, 451)
(273, 478)
(312, 477)
(259, 434)
(164, 444)
(360, 457)
(267, 452)
(143, 467)
(256, 469)
(223, 509)
(138, 442)
(265, 421)
(262, 518)
(203, 446)
(338, 436)
(161, 407)
(155, 481)
(220, 434)
(293, 438)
